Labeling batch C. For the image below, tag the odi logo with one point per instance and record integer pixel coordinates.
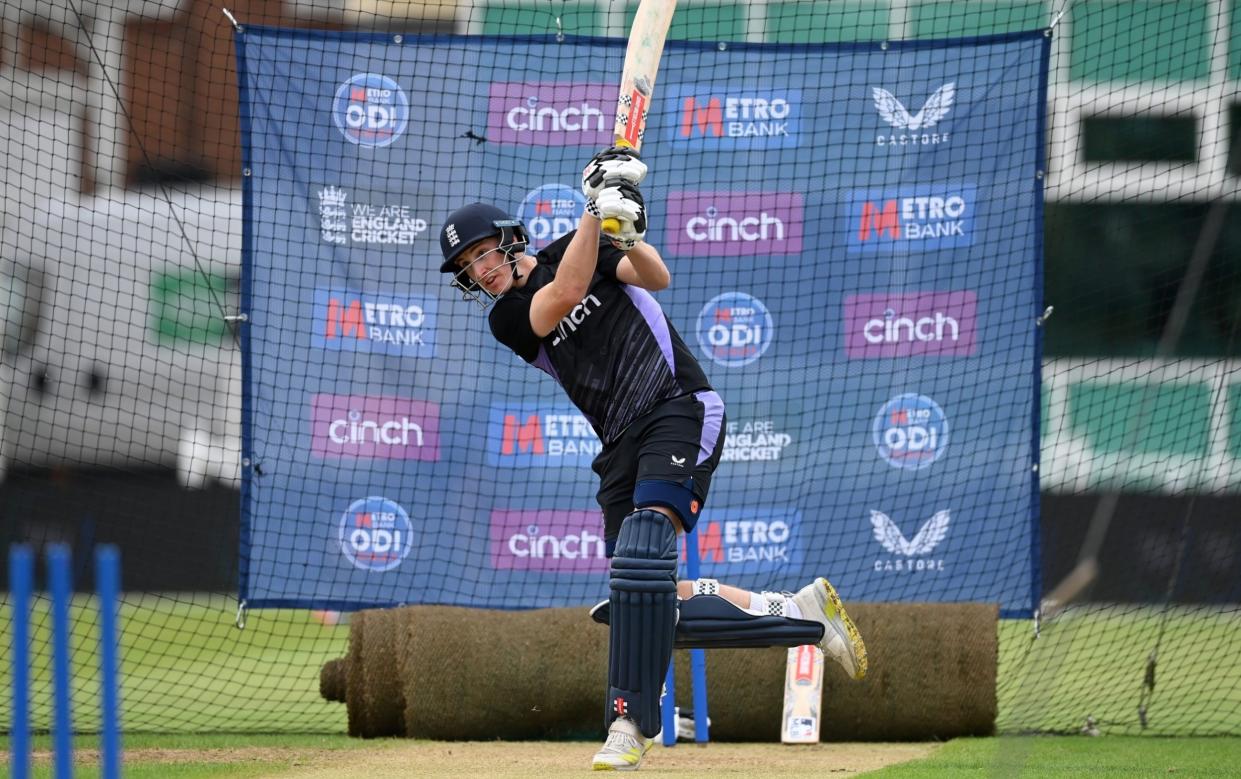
(375, 534)
(549, 212)
(910, 219)
(911, 432)
(370, 109)
(734, 329)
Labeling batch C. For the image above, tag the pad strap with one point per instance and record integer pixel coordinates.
(707, 587)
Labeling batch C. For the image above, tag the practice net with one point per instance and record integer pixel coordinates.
(964, 274)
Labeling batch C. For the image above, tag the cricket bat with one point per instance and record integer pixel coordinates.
(803, 695)
(646, 46)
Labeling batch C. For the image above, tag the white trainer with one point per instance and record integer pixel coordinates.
(623, 749)
(841, 640)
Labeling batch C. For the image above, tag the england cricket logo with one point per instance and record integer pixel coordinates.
(923, 543)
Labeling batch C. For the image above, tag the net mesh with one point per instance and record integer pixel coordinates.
(888, 425)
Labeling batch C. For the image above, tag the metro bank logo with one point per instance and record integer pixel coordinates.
(748, 540)
(386, 323)
(527, 435)
(744, 119)
(910, 219)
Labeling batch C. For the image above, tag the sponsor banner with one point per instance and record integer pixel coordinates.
(549, 212)
(526, 435)
(347, 219)
(370, 109)
(755, 437)
(375, 534)
(374, 427)
(388, 323)
(707, 118)
(734, 224)
(910, 324)
(550, 113)
(734, 329)
(907, 131)
(910, 555)
(733, 541)
(555, 541)
(911, 432)
(910, 218)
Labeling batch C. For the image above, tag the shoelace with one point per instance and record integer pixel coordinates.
(621, 740)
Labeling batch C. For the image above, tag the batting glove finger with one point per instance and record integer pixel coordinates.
(616, 162)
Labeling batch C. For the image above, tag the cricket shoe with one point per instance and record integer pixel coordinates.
(623, 749)
(841, 640)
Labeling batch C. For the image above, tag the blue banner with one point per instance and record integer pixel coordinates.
(855, 239)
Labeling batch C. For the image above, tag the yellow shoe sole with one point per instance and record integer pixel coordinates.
(836, 608)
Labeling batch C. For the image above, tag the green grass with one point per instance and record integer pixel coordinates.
(1047, 756)
(188, 669)
(1092, 661)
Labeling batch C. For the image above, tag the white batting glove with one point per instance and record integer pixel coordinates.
(621, 200)
(614, 162)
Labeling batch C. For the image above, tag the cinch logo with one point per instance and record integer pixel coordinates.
(929, 536)
(752, 540)
(550, 114)
(382, 428)
(911, 432)
(549, 212)
(375, 534)
(735, 224)
(913, 129)
(912, 324)
(576, 316)
(735, 120)
(370, 110)
(734, 329)
(916, 218)
(373, 322)
(548, 540)
(528, 435)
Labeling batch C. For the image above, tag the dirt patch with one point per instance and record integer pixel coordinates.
(500, 760)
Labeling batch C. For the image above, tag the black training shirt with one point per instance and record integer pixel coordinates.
(616, 354)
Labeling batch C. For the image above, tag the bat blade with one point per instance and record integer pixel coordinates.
(646, 47)
(642, 55)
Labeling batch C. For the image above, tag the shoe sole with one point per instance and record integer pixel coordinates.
(855, 638)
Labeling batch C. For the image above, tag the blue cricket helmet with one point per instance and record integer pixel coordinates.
(474, 222)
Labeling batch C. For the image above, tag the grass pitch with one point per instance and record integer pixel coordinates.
(188, 669)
